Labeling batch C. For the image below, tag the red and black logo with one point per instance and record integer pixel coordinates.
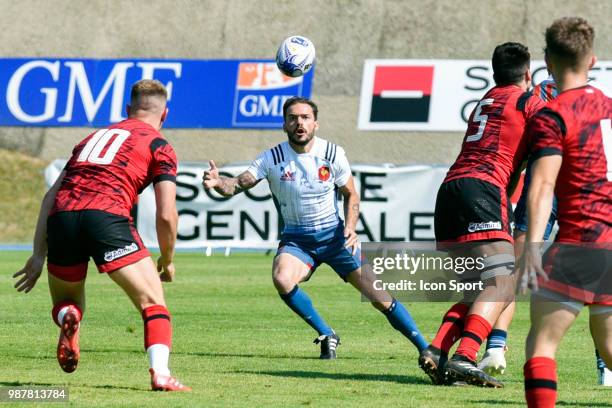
(401, 93)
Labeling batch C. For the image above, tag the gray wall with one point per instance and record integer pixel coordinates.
(344, 32)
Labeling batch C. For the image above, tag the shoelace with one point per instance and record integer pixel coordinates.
(332, 341)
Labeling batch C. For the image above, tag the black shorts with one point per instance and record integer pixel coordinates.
(469, 209)
(75, 236)
(579, 272)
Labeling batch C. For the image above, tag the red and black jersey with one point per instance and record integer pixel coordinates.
(494, 145)
(110, 167)
(576, 125)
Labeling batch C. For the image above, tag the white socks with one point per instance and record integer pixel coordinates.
(158, 358)
(61, 314)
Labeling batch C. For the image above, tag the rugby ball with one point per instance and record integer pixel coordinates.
(295, 56)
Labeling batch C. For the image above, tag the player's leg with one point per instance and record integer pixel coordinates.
(141, 282)
(68, 299)
(291, 267)
(452, 202)
(498, 293)
(395, 312)
(494, 360)
(116, 247)
(549, 322)
(600, 323)
(67, 268)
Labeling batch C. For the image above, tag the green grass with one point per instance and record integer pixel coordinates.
(22, 186)
(237, 344)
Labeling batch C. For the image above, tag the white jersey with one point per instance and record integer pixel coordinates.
(304, 185)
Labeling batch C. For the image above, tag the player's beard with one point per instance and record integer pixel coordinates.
(296, 140)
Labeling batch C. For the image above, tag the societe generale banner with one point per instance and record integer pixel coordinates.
(434, 95)
(397, 204)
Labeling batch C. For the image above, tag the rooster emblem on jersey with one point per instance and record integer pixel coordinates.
(324, 173)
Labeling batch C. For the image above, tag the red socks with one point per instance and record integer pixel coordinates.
(451, 328)
(540, 382)
(477, 328)
(157, 326)
(60, 305)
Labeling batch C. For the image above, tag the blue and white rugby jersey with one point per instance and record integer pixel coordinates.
(304, 185)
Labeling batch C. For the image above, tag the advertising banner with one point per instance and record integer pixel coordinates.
(397, 204)
(434, 95)
(94, 92)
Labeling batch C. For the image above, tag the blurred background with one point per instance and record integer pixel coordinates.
(345, 33)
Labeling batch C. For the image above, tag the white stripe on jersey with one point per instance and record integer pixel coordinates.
(304, 185)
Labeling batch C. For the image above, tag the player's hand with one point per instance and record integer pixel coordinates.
(350, 240)
(31, 272)
(210, 179)
(529, 268)
(166, 269)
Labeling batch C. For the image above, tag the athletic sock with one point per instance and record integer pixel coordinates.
(451, 328)
(540, 382)
(402, 321)
(601, 364)
(59, 311)
(300, 303)
(157, 337)
(477, 328)
(497, 339)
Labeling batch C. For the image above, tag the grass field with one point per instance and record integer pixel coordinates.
(22, 186)
(237, 344)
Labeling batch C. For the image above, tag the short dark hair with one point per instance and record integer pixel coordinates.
(510, 62)
(569, 39)
(299, 99)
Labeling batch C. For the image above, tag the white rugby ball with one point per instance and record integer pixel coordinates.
(295, 56)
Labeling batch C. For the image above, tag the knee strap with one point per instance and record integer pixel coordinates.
(497, 265)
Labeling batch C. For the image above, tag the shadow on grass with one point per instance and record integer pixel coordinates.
(250, 355)
(32, 357)
(207, 354)
(400, 379)
(112, 351)
(559, 403)
(43, 384)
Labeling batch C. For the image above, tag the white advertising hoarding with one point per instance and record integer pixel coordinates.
(434, 95)
(397, 204)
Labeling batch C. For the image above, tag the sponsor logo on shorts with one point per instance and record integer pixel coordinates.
(484, 226)
(118, 253)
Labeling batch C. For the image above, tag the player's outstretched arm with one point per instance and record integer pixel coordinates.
(351, 213)
(166, 221)
(34, 265)
(227, 186)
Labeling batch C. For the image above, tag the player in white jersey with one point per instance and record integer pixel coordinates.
(306, 174)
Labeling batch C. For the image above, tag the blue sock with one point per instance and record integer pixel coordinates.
(402, 321)
(497, 339)
(600, 363)
(301, 304)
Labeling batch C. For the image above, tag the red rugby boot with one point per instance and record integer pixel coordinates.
(161, 382)
(68, 344)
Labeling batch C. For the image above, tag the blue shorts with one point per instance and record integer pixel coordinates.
(325, 246)
(520, 212)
